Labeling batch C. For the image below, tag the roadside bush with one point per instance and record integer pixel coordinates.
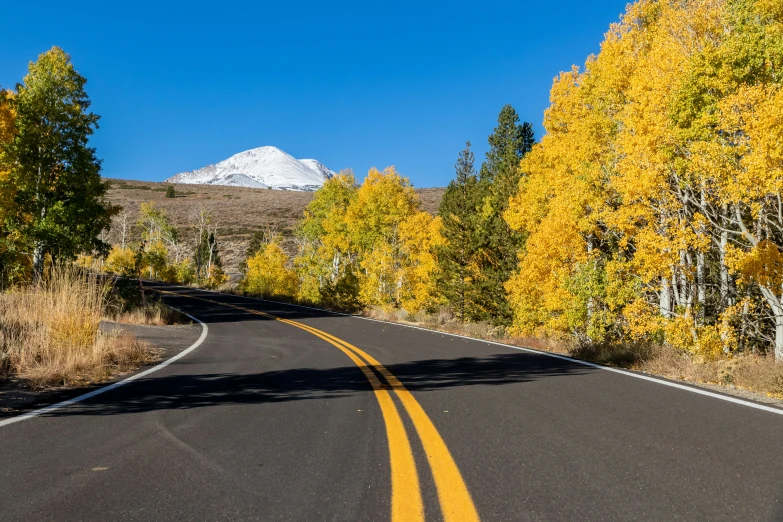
(50, 335)
(268, 273)
(120, 261)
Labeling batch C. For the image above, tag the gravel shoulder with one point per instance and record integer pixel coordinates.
(16, 398)
(734, 391)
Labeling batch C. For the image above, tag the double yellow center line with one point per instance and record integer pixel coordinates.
(407, 506)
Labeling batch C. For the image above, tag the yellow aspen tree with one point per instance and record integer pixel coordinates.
(751, 187)
(269, 273)
(325, 261)
(9, 259)
(216, 277)
(382, 203)
(560, 204)
(652, 204)
(121, 261)
(420, 235)
(654, 216)
(730, 49)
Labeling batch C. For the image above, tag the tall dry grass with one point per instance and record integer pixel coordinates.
(50, 332)
(155, 314)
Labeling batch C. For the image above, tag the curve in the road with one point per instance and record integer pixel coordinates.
(635, 374)
(453, 495)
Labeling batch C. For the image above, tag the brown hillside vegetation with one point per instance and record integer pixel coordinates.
(239, 211)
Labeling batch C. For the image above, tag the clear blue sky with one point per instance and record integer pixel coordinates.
(183, 85)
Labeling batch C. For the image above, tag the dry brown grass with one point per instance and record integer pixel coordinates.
(444, 321)
(50, 335)
(156, 314)
(750, 372)
(239, 211)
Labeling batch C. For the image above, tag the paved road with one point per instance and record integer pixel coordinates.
(286, 413)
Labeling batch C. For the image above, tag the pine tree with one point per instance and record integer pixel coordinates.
(498, 182)
(457, 257)
(60, 207)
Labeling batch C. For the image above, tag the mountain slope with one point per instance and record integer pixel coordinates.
(264, 167)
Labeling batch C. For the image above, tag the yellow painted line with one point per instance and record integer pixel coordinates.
(406, 494)
(455, 501)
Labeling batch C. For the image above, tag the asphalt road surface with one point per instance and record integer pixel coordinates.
(288, 413)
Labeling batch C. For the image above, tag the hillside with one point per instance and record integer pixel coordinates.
(239, 211)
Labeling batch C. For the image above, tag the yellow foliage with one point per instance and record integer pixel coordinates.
(184, 272)
(268, 273)
(368, 246)
(6, 135)
(771, 8)
(121, 261)
(642, 320)
(155, 259)
(167, 274)
(384, 200)
(216, 277)
(380, 283)
(87, 261)
(324, 262)
(710, 345)
(420, 235)
(7, 117)
(681, 333)
(373, 219)
(762, 264)
(672, 133)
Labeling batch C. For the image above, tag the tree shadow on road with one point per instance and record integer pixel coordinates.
(220, 308)
(177, 392)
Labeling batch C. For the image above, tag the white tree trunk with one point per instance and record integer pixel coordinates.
(590, 300)
(38, 262)
(676, 288)
(665, 298)
(124, 227)
(335, 266)
(701, 284)
(774, 302)
(725, 292)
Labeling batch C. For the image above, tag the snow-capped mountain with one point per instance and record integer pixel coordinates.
(264, 167)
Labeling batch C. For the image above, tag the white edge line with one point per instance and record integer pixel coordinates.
(99, 391)
(692, 389)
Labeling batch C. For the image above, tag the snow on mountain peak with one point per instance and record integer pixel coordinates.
(258, 168)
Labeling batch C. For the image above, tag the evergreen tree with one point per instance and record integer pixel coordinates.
(498, 182)
(457, 256)
(258, 240)
(55, 176)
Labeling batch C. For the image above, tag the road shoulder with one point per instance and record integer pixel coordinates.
(16, 398)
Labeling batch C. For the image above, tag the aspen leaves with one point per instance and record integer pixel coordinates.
(653, 204)
(366, 246)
